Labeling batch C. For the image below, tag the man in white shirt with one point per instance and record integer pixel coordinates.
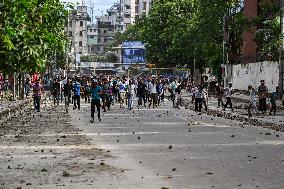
(153, 93)
(228, 94)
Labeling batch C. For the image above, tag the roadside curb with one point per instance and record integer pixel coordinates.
(278, 127)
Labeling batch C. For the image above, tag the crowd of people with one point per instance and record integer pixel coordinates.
(103, 91)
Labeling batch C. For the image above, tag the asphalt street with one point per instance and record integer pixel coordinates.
(177, 148)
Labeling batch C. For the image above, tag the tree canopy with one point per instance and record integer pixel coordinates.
(31, 33)
(178, 31)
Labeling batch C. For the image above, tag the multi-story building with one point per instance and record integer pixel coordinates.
(140, 8)
(125, 14)
(77, 30)
(92, 38)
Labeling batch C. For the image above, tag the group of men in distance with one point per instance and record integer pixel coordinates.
(261, 92)
(103, 91)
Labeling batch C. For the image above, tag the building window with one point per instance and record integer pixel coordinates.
(81, 23)
(99, 39)
(127, 6)
(105, 31)
(105, 39)
(137, 2)
(92, 37)
(81, 33)
(95, 30)
(110, 29)
(91, 30)
(99, 31)
(80, 43)
(70, 33)
(144, 5)
(136, 10)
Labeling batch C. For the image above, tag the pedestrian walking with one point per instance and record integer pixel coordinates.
(95, 93)
(273, 97)
(77, 94)
(228, 95)
(262, 94)
(37, 93)
(141, 93)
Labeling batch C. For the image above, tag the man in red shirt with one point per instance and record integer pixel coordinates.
(38, 91)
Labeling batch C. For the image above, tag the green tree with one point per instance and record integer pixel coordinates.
(31, 32)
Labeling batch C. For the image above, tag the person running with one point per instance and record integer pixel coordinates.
(130, 92)
(262, 93)
(37, 92)
(56, 91)
(273, 97)
(95, 92)
(228, 94)
(67, 93)
(77, 94)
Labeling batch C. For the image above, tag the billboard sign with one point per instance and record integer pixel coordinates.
(133, 52)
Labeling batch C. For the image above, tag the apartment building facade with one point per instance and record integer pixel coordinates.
(92, 36)
(77, 30)
(140, 8)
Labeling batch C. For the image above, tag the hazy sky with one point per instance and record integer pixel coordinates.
(99, 5)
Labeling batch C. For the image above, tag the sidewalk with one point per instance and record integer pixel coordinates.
(240, 113)
(8, 107)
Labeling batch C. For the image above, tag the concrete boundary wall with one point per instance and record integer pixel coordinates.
(252, 73)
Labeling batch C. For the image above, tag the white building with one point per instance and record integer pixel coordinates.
(140, 8)
(77, 30)
(92, 38)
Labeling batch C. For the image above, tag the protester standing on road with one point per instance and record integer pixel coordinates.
(153, 93)
(95, 93)
(220, 94)
(228, 95)
(273, 97)
(56, 91)
(141, 93)
(130, 92)
(67, 93)
(262, 93)
(38, 91)
(252, 101)
(77, 94)
(198, 95)
(27, 87)
(122, 93)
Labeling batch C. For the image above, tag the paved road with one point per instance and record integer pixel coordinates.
(174, 148)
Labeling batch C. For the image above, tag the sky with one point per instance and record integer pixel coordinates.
(99, 5)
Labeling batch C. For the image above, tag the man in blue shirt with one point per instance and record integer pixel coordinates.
(95, 93)
(77, 94)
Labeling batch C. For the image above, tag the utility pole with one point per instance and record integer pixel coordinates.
(281, 61)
